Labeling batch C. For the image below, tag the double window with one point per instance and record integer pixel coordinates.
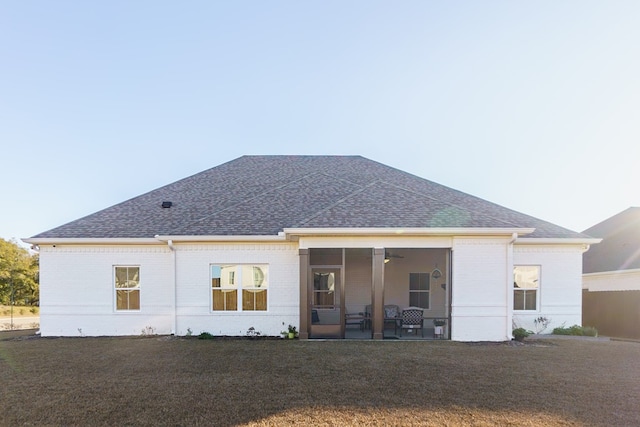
(526, 283)
(239, 287)
(419, 290)
(127, 288)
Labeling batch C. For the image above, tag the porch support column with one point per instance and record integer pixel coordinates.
(305, 321)
(377, 295)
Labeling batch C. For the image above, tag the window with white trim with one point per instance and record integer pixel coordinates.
(526, 284)
(127, 288)
(419, 290)
(239, 287)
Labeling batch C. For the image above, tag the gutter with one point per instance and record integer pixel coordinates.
(558, 241)
(157, 239)
(90, 241)
(394, 231)
(280, 237)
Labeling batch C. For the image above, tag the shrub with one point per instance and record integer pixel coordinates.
(541, 324)
(577, 331)
(34, 310)
(520, 334)
(205, 336)
(253, 333)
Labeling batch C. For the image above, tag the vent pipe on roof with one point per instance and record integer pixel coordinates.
(166, 205)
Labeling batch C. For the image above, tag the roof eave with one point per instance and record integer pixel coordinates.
(91, 241)
(612, 273)
(158, 239)
(395, 231)
(557, 241)
(280, 237)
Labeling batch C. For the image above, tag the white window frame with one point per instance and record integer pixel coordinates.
(421, 291)
(239, 279)
(116, 289)
(527, 290)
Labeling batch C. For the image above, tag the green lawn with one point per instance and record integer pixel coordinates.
(167, 381)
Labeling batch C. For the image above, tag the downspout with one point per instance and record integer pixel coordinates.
(509, 295)
(172, 250)
(175, 287)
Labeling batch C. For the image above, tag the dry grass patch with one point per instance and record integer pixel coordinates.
(162, 381)
(19, 311)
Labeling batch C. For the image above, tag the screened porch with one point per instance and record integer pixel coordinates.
(365, 293)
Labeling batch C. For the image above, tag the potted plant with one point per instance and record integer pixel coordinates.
(520, 334)
(292, 332)
(438, 330)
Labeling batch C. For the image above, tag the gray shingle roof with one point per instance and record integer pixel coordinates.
(620, 246)
(262, 195)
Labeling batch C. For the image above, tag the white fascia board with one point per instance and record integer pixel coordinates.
(158, 239)
(231, 238)
(557, 241)
(91, 241)
(407, 231)
(612, 273)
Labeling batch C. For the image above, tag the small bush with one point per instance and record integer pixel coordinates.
(34, 310)
(576, 330)
(148, 331)
(205, 336)
(541, 324)
(520, 334)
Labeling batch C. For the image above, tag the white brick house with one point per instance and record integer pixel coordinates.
(324, 243)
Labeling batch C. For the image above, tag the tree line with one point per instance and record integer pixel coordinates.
(19, 275)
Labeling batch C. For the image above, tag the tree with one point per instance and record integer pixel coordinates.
(18, 275)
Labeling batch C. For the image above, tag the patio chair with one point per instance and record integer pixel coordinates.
(355, 319)
(367, 316)
(392, 316)
(412, 319)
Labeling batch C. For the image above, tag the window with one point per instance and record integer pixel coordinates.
(526, 281)
(324, 295)
(419, 289)
(254, 288)
(227, 280)
(127, 287)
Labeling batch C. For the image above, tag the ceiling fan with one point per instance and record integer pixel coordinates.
(388, 255)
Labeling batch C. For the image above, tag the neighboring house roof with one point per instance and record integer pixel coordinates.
(262, 195)
(620, 246)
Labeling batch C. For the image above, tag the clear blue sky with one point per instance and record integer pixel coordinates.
(531, 105)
